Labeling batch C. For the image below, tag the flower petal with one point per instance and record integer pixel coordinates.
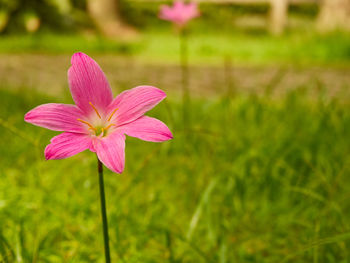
(133, 103)
(66, 145)
(166, 13)
(180, 13)
(147, 129)
(179, 5)
(192, 11)
(111, 151)
(88, 83)
(57, 117)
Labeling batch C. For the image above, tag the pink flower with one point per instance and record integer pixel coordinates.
(98, 122)
(180, 13)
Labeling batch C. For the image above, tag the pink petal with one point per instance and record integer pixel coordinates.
(192, 11)
(111, 151)
(179, 5)
(66, 145)
(147, 129)
(57, 117)
(133, 103)
(88, 83)
(165, 13)
(180, 13)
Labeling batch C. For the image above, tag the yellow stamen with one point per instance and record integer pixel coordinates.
(98, 114)
(109, 126)
(110, 117)
(87, 123)
(103, 130)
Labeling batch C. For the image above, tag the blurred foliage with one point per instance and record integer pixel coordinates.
(257, 180)
(70, 15)
(19, 11)
(144, 15)
(54, 15)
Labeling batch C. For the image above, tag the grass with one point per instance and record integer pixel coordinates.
(256, 180)
(205, 47)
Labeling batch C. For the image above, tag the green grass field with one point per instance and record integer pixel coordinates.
(256, 179)
(297, 48)
(259, 176)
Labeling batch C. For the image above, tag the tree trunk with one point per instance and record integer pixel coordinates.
(334, 14)
(107, 18)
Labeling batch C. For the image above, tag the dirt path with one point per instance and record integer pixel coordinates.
(48, 73)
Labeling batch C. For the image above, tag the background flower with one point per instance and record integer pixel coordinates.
(180, 13)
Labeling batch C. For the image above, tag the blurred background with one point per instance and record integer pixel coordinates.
(261, 173)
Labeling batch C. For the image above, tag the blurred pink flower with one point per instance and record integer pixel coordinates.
(98, 122)
(180, 13)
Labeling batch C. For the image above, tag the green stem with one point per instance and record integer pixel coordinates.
(185, 76)
(228, 76)
(103, 211)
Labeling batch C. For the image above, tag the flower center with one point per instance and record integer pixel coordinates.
(101, 126)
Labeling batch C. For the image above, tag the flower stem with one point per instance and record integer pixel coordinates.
(103, 211)
(228, 76)
(185, 77)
